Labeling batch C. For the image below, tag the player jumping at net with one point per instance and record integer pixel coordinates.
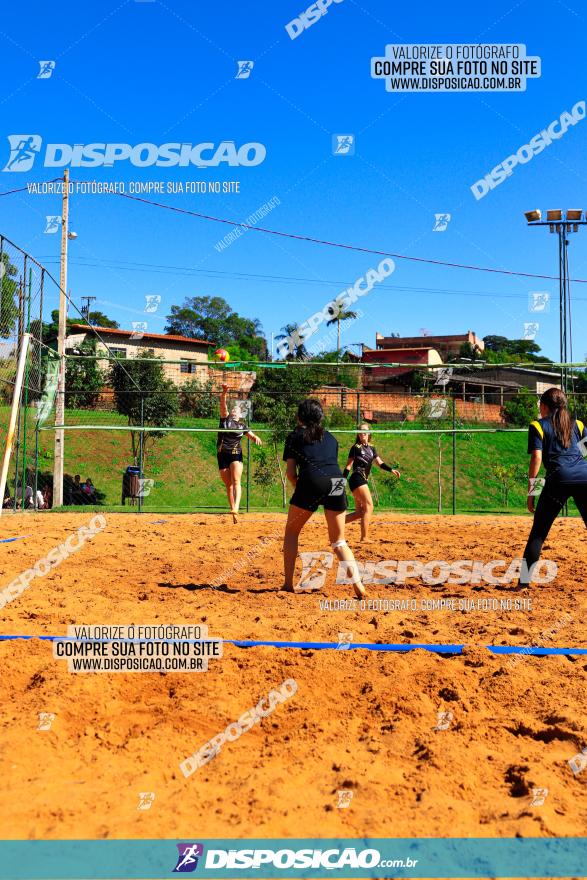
(553, 440)
(361, 458)
(311, 456)
(229, 450)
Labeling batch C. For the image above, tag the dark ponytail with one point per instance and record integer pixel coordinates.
(310, 414)
(555, 400)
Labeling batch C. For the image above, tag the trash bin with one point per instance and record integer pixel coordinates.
(131, 484)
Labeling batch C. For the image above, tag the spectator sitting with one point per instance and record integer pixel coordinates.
(40, 501)
(47, 497)
(89, 491)
(28, 496)
(77, 491)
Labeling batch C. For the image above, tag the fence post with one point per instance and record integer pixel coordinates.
(454, 455)
(358, 408)
(248, 458)
(141, 442)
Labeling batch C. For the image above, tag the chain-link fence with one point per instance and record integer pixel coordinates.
(140, 422)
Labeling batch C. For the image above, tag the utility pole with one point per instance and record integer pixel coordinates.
(59, 451)
(85, 310)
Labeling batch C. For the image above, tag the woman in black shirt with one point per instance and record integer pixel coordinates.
(361, 458)
(311, 454)
(229, 450)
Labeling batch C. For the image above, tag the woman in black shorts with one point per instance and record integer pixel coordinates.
(361, 458)
(553, 440)
(311, 454)
(229, 450)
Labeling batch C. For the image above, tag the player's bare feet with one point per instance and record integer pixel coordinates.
(359, 591)
(235, 516)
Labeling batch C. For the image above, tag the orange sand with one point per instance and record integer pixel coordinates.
(360, 720)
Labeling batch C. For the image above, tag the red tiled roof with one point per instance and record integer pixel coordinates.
(167, 336)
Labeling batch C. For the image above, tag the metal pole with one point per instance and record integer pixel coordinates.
(454, 454)
(141, 441)
(17, 479)
(60, 399)
(13, 415)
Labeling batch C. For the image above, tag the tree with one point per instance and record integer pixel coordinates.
(508, 475)
(83, 377)
(211, 318)
(341, 316)
(295, 348)
(198, 399)
(521, 409)
(8, 297)
(499, 349)
(144, 396)
(99, 319)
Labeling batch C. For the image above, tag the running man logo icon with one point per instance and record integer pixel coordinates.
(244, 69)
(145, 486)
(187, 860)
(146, 799)
(23, 151)
(539, 795)
(53, 222)
(152, 302)
(343, 145)
(46, 719)
(345, 796)
(338, 486)
(46, 69)
(314, 568)
(138, 329)
(539, 301)
(444, 719)
(441, 222)
(530, 330)
(344, 641)
(536, 485)
(578, 762)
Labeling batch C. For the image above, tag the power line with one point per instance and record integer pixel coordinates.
(349, 247)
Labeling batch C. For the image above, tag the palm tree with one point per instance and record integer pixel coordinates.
(341, 316)
(297, 350)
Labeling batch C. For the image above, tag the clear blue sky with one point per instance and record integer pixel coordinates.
(155, 72)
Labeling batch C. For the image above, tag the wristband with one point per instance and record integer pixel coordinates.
(385, 467)
(345, 473)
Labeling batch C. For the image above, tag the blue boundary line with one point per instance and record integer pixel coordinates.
(321, 646)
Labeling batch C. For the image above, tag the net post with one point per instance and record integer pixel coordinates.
(13, 415)
(454, 455)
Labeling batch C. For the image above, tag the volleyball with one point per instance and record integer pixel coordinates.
(221, 354)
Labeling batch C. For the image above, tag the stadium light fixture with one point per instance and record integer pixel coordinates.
(562, 224)
(532, 216)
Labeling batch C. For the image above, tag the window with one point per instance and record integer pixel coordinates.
(187, 366)
(118, 352)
